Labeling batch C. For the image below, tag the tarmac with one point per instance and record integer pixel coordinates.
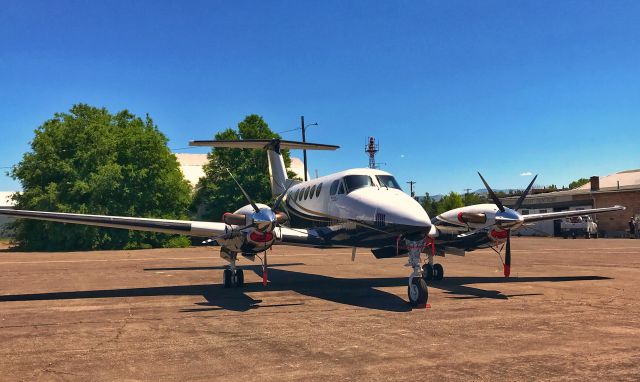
(570, 311)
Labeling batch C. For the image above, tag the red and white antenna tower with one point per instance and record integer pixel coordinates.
(372, 148)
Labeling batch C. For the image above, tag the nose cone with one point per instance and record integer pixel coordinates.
(397, 207)
(264, 219)
(509, 219)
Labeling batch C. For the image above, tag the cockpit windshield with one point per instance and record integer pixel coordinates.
(388, 181)
(354, 182)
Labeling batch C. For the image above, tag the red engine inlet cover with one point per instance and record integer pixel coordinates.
(499, 235)
(260, 237)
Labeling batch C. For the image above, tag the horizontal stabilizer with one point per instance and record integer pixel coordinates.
(263, 144)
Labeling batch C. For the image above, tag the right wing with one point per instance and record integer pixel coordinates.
(181, 227)
(567, 214)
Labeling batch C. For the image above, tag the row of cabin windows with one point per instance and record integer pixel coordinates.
(345, 185)
(307, 192)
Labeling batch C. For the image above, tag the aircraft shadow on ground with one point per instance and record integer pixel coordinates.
(355, 292)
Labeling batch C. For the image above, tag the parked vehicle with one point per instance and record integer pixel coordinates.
(579, 226)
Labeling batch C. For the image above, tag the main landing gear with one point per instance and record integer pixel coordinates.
(433, 272)
(232, 276)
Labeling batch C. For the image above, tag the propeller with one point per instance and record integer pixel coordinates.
(507, 255)
(507, 219)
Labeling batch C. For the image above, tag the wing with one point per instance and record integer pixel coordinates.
(182, 227)
(566, 214)
(261, 144)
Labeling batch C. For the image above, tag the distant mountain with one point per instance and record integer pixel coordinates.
(434, 197)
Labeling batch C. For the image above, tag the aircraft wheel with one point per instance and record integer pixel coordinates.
(438, 272)
(227, 278)
(418, 293)
(427, 272)
(239, 278)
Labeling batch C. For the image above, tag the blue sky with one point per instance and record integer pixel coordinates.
(448, 87)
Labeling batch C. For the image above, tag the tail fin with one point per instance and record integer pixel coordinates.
(277, 169)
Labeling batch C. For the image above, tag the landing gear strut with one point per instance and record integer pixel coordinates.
(232, 276)
(417, 290)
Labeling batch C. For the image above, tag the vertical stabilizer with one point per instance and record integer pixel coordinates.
(277, 169)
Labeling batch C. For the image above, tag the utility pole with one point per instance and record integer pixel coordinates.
(304, 152)
(411, 183)
(466, 190)
(303, 127)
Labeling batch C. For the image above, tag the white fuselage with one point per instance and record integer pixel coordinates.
(366, 198)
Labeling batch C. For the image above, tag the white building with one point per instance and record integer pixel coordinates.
(5, 202)
(191, 166)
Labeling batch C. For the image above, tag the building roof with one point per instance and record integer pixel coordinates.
(622, 179)
(5, 199)
(629, 181)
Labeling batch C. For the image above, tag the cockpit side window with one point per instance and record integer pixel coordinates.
(354, 182)
(340, 188)
(334, 187)
(388, 181)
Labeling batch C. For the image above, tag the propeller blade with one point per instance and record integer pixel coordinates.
(492, 194)
(264, 270)
(524, 194)
(507, 256)
(255, 207)
(276, 205)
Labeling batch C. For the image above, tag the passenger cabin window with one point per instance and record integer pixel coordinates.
(388, 181)
(313, 191)
(354, 182)
(334, 187)
(318, 190)
(306, 193)
(300, 194)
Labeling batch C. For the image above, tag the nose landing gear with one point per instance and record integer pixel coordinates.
(417, 290)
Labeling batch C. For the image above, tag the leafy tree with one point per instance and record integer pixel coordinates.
(430, 205)
(578, 183)
(91, 161)
(216, 192)
(450, 201)
(473, 198)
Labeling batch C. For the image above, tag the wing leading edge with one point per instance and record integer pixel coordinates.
(567, 214)
(181, 227)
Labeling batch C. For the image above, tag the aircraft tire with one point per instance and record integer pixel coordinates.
(438, 272)
(418, 292)
(239, 278)
(427, 272)
(227, 278)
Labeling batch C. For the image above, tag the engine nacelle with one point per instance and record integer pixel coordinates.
(248, 241)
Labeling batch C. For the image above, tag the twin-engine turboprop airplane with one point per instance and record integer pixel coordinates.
(486, 226)
(353, 208)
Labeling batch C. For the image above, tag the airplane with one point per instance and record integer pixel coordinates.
(354, 208)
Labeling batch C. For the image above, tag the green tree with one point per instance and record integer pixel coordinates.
(429, 205)
(578, 183)
(93, 162)
(448, 202)
(216, 192)
(473, 198)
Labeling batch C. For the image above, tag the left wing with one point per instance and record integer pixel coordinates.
(181, 227)
(567, 214)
